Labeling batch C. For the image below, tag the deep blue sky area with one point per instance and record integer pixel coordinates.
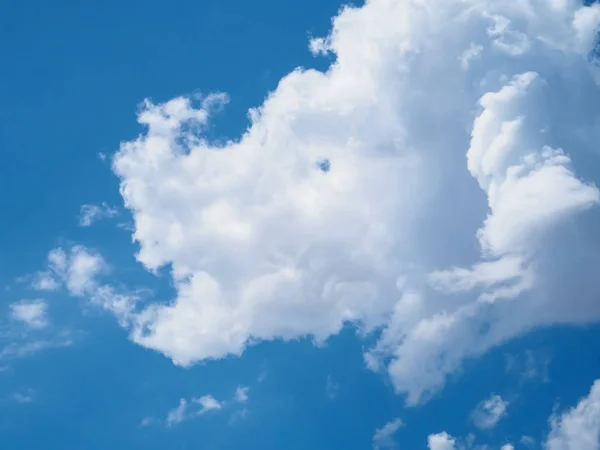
(72, 76)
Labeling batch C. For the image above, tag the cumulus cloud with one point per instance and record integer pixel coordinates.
(384, 436)
(489, 412)
(441, 441)
(425, 184)
(33, 313)
(579, 427)
(576, 428)
(444, 441)
(89, 214)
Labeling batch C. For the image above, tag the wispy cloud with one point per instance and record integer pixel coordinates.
(384, 436)
(89, 213)
(190, 409)
(23, 397)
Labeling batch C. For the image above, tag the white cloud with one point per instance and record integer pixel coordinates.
(384, 436)
(428, 155)
(177, 415)
(45, 281)
(489, 412)
(241, 394)
(576, 428)
(208, 403)
(527, 441)
(33, 313)
(23, 346)
(471, 53)
(441, 441)
(579, 427)
(89, 214)
(78, 269)
(193, 408)
(147, 421)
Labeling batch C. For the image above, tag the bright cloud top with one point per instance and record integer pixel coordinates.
(426, 184)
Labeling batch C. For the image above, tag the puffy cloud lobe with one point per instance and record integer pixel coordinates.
(78, 269)
(441, 441)
(576, 428)
(579, 427)
(489, 412)
(262, 243)
(241, 394)
(33, 313)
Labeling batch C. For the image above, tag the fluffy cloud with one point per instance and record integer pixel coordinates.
(33, 313)
(489, 412)
(92, 213)
(441, 441)
(426, 183)
(384, 436)
(78, 270)
(576, 428)
(579, 427)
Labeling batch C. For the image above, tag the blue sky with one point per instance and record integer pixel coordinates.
(179, 271)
